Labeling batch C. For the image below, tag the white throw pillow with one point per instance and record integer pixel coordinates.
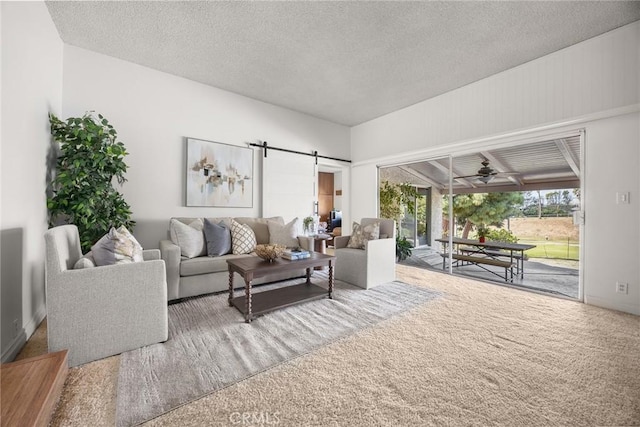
(117, 247)
(286, 235)
(190, 237)
(243, 239)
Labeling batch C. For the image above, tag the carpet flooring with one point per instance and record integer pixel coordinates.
(210, 346)
(479, 355)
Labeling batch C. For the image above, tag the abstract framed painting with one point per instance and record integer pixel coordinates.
(219, 175)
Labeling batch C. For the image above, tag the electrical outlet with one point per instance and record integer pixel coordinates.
(623, 197)
(15, 328)
(621, 287)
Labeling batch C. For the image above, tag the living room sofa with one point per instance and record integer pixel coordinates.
(187, 277)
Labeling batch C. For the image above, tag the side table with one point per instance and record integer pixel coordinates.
(31, 388)
(320, 245)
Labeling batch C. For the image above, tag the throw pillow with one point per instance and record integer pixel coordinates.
(116, 247)
(243, 239)
(218, 238)
(85, 262)
(286, 235)
(360, 234)
(189, 237)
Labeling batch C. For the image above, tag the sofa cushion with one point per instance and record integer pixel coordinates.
(361, 233)
(218, 237)
(116, 247)
(286, 235)
(189, 237)
(260, 227)
(205, 265)
(243, 239)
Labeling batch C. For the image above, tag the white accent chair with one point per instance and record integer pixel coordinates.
(101, 311)
(373, 265)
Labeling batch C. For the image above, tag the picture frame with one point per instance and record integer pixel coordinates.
(218, 175)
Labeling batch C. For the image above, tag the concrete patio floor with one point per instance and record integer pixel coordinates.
(553, 277)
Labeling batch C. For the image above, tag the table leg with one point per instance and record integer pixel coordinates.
(320, 245)
(330, 280)
(230, 287)
(309, 276)
(247, 293)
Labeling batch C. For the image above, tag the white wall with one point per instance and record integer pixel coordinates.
(612, 231)
(153, 112)
(337, 186)
(31, 88)
(596, 75)
(593, 85)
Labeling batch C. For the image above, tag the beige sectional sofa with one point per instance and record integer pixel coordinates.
(187, 277)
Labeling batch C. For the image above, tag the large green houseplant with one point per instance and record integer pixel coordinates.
(82, 191)
(395, 199)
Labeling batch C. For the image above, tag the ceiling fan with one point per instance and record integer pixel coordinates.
(486, 173)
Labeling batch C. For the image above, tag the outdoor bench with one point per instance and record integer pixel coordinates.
(507, 265)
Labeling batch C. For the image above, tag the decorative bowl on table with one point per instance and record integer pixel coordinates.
(269, 252)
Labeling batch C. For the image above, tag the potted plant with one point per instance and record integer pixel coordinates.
(395, 199)
(482, 233)
(403, 248)
(82, 190)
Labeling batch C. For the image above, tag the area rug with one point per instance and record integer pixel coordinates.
(210, 347)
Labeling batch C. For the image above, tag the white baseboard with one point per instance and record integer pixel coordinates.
(14, 348)
(25, 333)
(601, 302)
(31, 327)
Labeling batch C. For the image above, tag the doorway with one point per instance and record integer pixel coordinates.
(511, 194)
(326, 185)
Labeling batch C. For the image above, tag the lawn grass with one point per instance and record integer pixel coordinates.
(555, 249)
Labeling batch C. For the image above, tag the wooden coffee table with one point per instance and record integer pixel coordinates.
(249, 268)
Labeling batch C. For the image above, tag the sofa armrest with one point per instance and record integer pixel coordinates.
(340, 241)
(101, 311)
(306, 243)
(381, 245)
(381, 258)
(171, 255)
(151, 254)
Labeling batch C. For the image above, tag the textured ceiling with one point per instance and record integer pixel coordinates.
(347, 62)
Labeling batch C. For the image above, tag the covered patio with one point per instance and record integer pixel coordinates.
(557, 277)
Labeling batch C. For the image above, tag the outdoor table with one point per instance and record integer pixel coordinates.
(494, 250)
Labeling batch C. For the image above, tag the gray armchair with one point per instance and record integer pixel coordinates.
(101, 311)
(373, 265)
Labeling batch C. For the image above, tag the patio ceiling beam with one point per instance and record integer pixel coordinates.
(500, 167)
(550, 185)
(418, 175)
(568, 156)
(445, 169)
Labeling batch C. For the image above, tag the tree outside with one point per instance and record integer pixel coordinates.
(473, 210)
(557, 203)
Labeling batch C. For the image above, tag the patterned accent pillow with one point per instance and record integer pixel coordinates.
(189, 237)
(286, 235)
(243, 239)
(218, 238)
(360, 234)
(117, 247)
